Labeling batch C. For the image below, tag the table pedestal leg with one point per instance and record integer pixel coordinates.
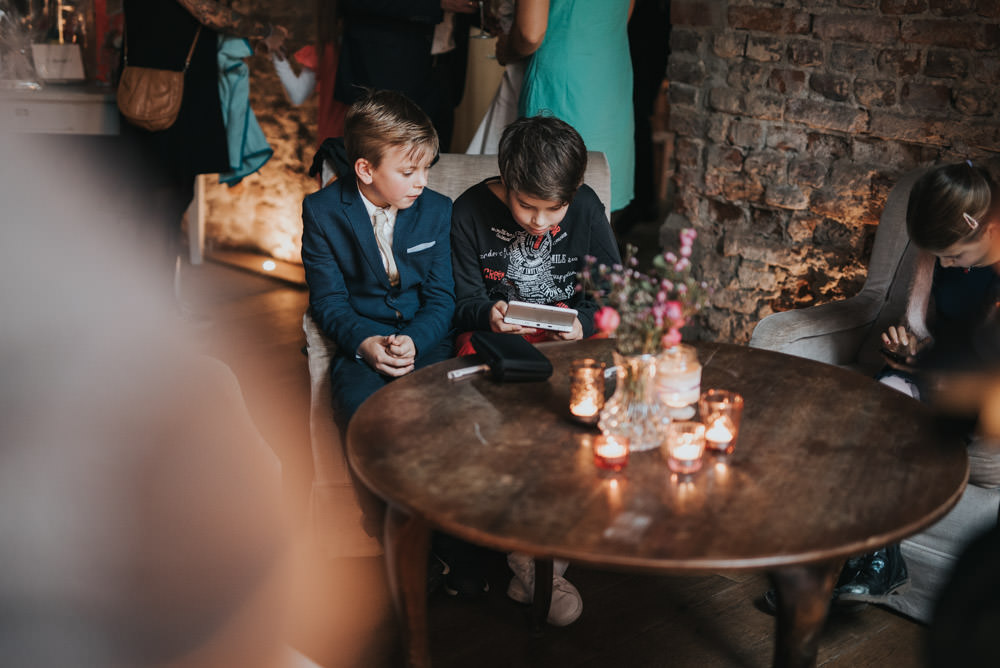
(542, 597)
(803, 602)
(407, 542)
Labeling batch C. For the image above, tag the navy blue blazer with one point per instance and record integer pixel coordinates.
(349, 290)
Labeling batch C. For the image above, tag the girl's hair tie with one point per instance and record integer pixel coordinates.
(972, 222)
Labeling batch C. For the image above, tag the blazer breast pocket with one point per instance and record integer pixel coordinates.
(420, 247)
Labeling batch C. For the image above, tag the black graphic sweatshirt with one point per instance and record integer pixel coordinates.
(495, 259)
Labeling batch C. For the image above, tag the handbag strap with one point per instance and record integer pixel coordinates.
(187, 61)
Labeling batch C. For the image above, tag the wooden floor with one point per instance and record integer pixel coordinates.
(342, 612)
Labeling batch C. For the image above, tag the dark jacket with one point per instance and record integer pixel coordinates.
(349, 291)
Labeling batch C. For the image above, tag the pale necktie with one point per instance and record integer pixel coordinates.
(383, 236)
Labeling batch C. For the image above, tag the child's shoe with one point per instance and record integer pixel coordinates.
(566, 603)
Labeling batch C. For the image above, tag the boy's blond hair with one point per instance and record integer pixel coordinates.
(383, 119)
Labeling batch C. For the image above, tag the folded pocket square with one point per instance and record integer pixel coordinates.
(420, 247)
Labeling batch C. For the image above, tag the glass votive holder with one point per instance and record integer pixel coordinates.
(586, 390)
(678, 380)
(684, 446)
(610, 452)
(721, 411)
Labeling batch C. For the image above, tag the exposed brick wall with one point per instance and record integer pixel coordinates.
(793, 119)
(264, 212)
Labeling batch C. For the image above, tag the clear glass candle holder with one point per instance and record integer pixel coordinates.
(610, 452)
(684, 446)
(678, 380)
(721, 412)
(586, 390)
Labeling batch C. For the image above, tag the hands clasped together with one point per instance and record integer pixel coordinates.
(392, 355)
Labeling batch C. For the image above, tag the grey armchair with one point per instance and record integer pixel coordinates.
(847, 333)
(336, 518)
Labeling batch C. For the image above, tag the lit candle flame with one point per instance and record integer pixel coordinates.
(585, 407)
(721, 431)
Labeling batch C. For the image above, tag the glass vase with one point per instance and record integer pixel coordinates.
(635, 410)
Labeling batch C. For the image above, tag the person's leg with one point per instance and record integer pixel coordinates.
(354, 381)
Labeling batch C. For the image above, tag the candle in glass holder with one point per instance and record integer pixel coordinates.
(610, 452)
(678, 380)
(586, 390)
(685, 446)
(721, 411)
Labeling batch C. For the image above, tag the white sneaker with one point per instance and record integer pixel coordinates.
(566, 605)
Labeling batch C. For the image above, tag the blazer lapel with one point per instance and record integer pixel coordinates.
(402, 234)
(361, 225)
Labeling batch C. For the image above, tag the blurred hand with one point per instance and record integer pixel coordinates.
(901, 344)
(275, 40)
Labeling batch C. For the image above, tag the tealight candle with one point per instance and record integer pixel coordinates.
(586, 390)
(685, 445)
(721, 411)
(611, 452)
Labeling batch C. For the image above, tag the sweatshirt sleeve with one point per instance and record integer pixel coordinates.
(472, 302)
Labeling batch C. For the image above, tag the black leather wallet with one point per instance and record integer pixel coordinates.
(511, 358)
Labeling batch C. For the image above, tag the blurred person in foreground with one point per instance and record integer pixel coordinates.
(140, 509)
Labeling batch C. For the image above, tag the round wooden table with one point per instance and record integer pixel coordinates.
(828, 464)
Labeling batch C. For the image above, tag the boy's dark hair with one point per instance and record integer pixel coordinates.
(938, 199)
(382, 119)
(542, 156)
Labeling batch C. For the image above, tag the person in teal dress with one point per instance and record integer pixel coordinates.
(582, 74)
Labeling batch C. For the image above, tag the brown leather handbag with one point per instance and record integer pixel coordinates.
(150, 98)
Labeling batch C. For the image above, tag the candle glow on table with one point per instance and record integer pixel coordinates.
(721, 411)
(685, 446)
(585, 407)
(720, 433)
(586, 390)
(610, 452)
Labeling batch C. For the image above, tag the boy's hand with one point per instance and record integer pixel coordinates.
(374, 351)
(497, 324)
(574, 335)
(401, 347)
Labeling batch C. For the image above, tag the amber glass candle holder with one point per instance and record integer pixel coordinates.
(610, 452)
(721, 412)
(684, 446)
(586, 390)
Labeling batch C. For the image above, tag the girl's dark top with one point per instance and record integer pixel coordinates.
(495, 259)
(159, 34)
(963, 318)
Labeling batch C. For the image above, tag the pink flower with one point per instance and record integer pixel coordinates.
(607, 319)
(671, 338)
(674, 310)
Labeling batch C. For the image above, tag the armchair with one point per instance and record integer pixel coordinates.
(847, 333)
(335, 515)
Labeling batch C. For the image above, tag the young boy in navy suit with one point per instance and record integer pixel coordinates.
(376, 252)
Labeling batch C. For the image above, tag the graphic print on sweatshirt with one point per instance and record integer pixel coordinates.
(530, 272)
